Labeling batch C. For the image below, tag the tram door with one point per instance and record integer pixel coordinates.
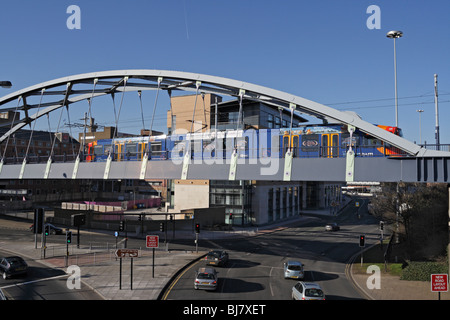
(330, 145)
(118, 149)
(294, 144)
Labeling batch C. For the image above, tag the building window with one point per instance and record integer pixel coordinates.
(270, 121)
(277, 122)
(270, 205)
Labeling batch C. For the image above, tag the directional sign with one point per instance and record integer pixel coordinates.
(439, 282)
(123, 253)
(152, 241)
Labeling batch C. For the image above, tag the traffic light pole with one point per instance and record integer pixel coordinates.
(196, 242)
(78, 237)
(197, 231)
(68, 240)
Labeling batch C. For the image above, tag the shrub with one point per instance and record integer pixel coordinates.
(422, 271)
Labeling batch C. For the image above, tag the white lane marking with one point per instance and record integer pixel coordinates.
(34, 281)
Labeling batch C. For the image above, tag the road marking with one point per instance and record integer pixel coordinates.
(270, 283)
(34, 281)
(164, 297)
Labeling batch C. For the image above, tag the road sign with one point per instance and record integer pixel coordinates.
(152, 241)
(439, 282)
(123, 253)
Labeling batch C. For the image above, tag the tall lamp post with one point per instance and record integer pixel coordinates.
(5, 84)
(394, 35)
(420, 125)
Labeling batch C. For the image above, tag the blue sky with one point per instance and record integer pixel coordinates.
(319, 50)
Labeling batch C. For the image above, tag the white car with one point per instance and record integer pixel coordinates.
(206, 278)
(307, 291)
(294, 270)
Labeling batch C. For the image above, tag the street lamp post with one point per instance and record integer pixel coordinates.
(394, 35)
(420, 125)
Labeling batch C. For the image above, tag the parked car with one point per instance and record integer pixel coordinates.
(217, 257)
(307, 291)
(11, 266)
(51, 229)
(294, 270)
(206, 278)
(332, 227)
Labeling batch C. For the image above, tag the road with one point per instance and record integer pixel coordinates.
(255, 269)
(41, 282)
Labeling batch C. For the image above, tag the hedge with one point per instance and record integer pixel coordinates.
(422, 271)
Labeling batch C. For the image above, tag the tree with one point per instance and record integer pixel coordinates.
(418, 213)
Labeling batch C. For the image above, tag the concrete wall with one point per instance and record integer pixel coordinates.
(191, 194)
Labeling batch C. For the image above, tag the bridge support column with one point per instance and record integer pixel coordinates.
(186, 160)
(350, 160)
(75, 167)
(22, 169)
(107, 167)
(143, 166)
(47, 167)
(287, 166)
(233, 165)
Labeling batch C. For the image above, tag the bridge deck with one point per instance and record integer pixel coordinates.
(430, 169)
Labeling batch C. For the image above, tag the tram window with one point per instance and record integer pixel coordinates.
(335, 145)
(98, 150)
(285, 143)
(295, 141)
(156, 147)
(130, 148)
(206, 142)
(108, 148)
(242, 144)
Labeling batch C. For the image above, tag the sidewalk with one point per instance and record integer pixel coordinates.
(392, 288)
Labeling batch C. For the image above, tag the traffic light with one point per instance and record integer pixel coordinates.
(381, 225)
(161, 226)
(78, 220)
(69, 236)
(38, 220)
(197, 228)
(47, 230)
(362, 239)
(122, 225)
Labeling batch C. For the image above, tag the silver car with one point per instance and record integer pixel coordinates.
(206, 278)
(294, 270)
(307, 291)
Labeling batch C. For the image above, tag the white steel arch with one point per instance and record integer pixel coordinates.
(65, 92)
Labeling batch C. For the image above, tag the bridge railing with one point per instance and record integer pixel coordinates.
(439, 147)
(247, 153)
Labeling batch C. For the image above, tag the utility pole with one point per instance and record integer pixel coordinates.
(436, 130)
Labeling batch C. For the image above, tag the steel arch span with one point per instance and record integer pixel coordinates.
(64, 92)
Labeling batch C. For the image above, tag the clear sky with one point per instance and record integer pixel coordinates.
(321, 50)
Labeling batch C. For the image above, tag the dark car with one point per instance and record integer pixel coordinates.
(217, 258)
(11, 266)
(50, 229)
(332, 227)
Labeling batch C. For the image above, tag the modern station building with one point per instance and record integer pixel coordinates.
(245, 201)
